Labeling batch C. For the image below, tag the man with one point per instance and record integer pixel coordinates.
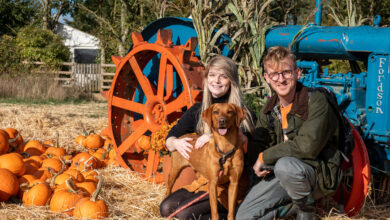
(297, 135)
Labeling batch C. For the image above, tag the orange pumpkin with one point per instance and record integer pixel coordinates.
(91, 175)
(9, 185)
(112, 154)
(4, 144)
(43, 173)
(38, 194)
(34, 147)
(76, 174)
(84, 161)
(56, 152)
(53, 163)
(24, 181)
(35, 160)
(94, 141)
(144, 142)
(13, 162)
(15, 136)
(80, 140)
(86, 186)
(26, 178)
(91, 208)
(60, 179)
(30, 167)
(54, 149)
(64, 200)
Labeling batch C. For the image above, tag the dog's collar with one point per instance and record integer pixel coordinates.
(224, 155)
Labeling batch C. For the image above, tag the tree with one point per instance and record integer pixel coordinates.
(9, 56)
(51, 11)
(36, 44)
(15, 14)
(114, 21)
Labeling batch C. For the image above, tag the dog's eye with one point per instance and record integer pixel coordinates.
(215, 112)
(230, 112)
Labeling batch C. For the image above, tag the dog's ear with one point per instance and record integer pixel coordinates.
(240, 116)
(206, 116)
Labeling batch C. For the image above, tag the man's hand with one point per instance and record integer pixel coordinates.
(258, 171)
(202, 140)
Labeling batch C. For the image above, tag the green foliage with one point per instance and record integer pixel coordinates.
(9, 56)
(15, 14)
(41, 45)
(254, 102)
(349, 17)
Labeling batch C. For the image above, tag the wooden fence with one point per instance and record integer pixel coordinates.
(90, 77)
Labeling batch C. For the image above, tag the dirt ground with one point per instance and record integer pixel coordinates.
(126, 194)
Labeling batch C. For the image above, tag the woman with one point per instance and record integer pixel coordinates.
(220, 85)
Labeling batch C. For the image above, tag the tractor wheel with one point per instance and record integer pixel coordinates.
(153, 85)
(354, 187)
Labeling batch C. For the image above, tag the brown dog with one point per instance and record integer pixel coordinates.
(223, 153)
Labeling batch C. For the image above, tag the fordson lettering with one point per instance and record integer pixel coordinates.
(379, 95)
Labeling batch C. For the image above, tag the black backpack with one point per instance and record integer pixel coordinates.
(346, 141)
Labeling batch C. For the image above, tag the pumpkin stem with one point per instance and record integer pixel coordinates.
(104, 155)
(108, 147)
(25, 154)
(98, 188)
(51, 171)
(57, 140)
(14, 139)
(59, 173)
(69, 183)
(86, 164)
(84, 130)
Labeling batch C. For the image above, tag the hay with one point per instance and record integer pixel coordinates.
(126, 194)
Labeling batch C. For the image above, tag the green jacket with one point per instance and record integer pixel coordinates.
(312, 132)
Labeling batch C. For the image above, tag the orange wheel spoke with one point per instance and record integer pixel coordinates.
(169, 87)
(142, 79)
(128, 105)
(161, 76)
(130, 140)
(176, 104)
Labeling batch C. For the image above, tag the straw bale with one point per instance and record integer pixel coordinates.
(127, 195)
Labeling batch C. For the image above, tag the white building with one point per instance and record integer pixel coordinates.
(84, 47)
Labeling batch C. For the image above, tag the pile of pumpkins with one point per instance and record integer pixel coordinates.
(43, 173)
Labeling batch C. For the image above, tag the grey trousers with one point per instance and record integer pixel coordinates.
(272, 196)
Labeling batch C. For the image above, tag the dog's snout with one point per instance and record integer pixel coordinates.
(222, 121)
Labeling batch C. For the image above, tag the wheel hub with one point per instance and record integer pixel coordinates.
(155, 114)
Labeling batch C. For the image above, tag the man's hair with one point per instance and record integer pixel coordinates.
(276, 54)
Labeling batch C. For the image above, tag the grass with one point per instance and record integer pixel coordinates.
(13, 100)
(41, 89)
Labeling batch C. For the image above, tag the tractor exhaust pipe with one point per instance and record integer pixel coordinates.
(318, 14)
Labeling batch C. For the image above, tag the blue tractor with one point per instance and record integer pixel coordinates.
(160, 78)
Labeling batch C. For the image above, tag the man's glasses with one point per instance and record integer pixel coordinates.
(287, 74)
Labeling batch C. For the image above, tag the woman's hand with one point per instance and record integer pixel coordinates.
(205, 138)
(181, 145)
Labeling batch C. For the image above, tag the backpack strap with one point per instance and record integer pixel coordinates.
(336, 110)
(271, 121)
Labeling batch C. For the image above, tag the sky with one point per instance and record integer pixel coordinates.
(67, 17)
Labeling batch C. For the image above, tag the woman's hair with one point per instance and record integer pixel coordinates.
(235, 95)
